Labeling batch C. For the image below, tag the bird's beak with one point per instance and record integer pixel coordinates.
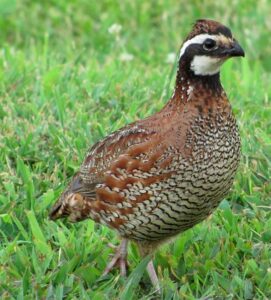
(235, 50)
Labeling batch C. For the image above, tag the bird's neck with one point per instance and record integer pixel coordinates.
(187, 84)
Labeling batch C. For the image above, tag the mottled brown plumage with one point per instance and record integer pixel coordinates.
(160, 176)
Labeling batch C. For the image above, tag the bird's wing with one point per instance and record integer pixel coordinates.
(128, 159)
(98, 162)
(100, 157)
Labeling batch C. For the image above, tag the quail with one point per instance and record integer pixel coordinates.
(160, 176)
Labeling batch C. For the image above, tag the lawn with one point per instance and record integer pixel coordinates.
(72, 72)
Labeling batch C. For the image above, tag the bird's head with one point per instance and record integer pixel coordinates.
(207, 47)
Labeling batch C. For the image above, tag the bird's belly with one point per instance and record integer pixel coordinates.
(186, 198)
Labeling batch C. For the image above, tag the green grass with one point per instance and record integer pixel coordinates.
(63, 87)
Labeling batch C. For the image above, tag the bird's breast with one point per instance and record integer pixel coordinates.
(196, 185)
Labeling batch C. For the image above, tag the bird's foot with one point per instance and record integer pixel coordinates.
(120, 259)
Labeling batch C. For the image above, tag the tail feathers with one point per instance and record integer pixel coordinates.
(54, 213)
(74, 202)
(58, 210)
(61, 208)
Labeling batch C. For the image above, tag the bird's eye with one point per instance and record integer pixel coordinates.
(209, 44)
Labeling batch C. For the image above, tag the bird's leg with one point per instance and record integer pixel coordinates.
(153, 276)
(148, 248)
(120, 258)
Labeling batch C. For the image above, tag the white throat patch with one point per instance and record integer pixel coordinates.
(205, 65)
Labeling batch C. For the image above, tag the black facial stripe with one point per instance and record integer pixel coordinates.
(197, 49)
(191, 51)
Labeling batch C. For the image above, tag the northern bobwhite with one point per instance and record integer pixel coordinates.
(160, 176)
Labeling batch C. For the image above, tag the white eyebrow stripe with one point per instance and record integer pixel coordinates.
(198, 39)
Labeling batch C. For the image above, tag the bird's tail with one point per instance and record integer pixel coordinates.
(71, 204)
(60, 208)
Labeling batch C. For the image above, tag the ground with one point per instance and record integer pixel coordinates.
(72, 72)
